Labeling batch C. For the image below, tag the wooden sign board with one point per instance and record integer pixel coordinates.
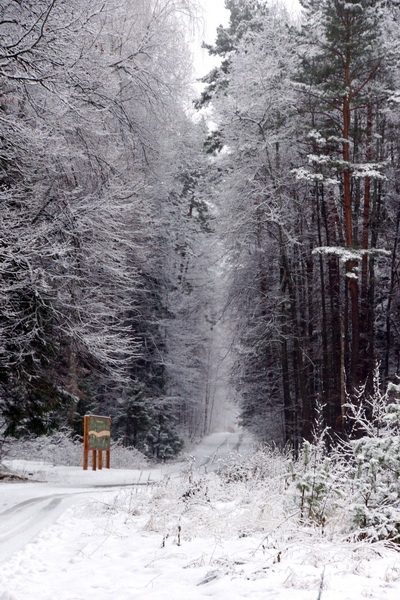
(96, 439)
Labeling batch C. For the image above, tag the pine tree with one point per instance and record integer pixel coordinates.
(343, 89)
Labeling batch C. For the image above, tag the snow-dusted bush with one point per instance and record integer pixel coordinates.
(314, 481)
(376, 468)
(359, 480)
(314, 477)
(123, 457)
(376, 506)
(60, 448)
(209, 506)
(264, 463)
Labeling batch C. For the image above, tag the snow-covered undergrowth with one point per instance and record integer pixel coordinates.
(324, 526)
(195, 505)
(61, 449)
(249, 530)
(261, 526)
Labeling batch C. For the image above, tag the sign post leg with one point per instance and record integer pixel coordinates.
(100, 459)
(85, 444)
(94, 460)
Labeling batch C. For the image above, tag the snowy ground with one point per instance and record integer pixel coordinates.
(179, 532)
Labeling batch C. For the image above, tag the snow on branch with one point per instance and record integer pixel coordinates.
(303, 174)
(350, 254)
(371, 170)
(393, 388)
(352, 7)
(317, 137)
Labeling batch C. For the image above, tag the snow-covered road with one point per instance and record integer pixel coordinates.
(216, 447)
(22, 521)
(27, 508)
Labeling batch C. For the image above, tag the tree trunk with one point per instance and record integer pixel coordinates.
(351, 274)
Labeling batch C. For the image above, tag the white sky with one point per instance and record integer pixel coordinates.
(214, 14)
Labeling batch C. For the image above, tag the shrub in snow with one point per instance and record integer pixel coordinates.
(359, 480)
(316, 490)
(376, 465)
(264, 464)
(315, 476)
(123, 457)
(208, 506)
(61, 448)
(376, 507)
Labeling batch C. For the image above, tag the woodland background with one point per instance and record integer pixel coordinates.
(135, 231)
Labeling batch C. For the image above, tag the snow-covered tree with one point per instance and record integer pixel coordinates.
(89, 96)
(304, 120)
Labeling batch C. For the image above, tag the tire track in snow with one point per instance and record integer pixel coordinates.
(230, 443)
(211, 460)
(236, 447)
(20, 523)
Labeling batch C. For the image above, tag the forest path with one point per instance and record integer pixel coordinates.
(27, 508)
(215, 448)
